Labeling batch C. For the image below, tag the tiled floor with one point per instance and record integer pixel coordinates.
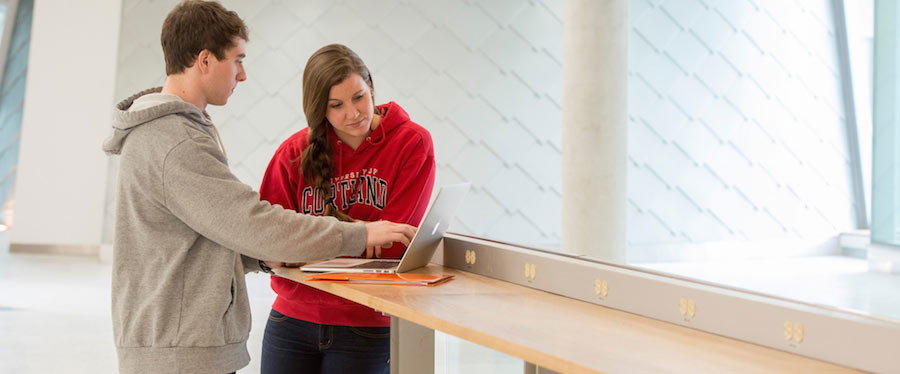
(55, 314)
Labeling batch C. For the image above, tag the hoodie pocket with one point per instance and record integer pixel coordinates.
(233, 326)
(233, 285)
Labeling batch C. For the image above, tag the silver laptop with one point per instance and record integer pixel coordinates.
(420, 249)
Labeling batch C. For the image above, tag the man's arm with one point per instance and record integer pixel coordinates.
(201, 191)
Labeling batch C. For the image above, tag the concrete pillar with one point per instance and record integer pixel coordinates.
(595, 120)
(61, 175)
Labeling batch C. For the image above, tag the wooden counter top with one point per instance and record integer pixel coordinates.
(564, 334)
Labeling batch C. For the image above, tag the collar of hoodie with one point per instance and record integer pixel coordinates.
(374, 139)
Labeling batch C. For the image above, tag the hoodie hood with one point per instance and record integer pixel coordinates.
(146, 106)
(392, 116)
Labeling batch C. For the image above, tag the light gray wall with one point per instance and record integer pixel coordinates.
(736, 128)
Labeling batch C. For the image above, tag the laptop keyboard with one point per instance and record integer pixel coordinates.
(377, 265)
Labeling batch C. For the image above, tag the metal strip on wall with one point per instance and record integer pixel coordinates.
(852, 339)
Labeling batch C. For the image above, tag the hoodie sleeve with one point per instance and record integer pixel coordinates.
(201, 191)
(250, 264)
(410, 191)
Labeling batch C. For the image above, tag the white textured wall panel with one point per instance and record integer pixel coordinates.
(736, 125)
(483, 77)
(737, 129)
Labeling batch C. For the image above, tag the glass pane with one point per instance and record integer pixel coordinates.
(456, 356)
(12, 93)
(885, 202)
(2, 15)
(860, 36)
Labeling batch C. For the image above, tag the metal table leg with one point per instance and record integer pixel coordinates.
(412, 348)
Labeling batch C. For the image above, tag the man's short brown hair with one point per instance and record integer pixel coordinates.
(195, 25)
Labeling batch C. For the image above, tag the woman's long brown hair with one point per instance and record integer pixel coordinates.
(327, 67)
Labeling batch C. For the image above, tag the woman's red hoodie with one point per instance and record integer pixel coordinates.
(390, 176)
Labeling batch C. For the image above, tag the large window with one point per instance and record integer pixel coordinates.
(886, 139)
(860, 37)
(15, 28)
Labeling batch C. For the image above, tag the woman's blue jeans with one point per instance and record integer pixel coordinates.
(295, 346)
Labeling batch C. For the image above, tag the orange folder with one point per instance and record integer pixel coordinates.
(382, 278)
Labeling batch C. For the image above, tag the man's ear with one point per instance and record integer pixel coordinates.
(202, 61)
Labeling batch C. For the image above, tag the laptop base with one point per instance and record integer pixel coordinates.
(346, 265)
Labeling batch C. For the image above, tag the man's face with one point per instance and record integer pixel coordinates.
(224, 74)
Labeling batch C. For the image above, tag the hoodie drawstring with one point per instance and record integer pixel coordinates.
(340, 159)
(339, 162)
(379, 128)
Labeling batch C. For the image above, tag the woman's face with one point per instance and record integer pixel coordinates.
(350, 109)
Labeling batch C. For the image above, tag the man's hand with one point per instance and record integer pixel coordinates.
(383, 234)
(373, 252)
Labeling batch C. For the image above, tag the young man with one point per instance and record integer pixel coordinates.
(187, 230)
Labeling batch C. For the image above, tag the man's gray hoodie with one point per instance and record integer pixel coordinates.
(186, 233)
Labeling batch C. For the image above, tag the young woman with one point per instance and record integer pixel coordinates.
(355, 161)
